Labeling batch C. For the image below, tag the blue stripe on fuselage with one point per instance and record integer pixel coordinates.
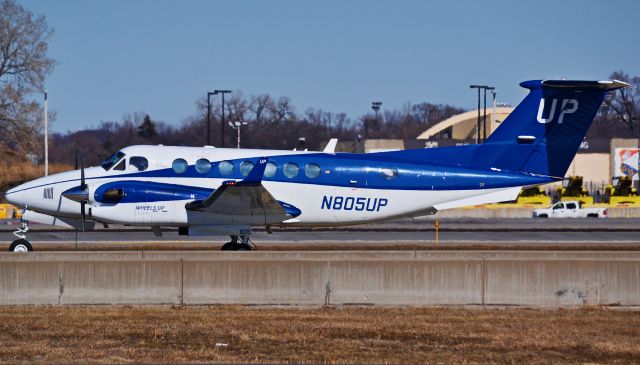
(340, 170)
(147, 192)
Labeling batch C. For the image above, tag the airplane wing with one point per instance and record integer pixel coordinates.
(246, 198)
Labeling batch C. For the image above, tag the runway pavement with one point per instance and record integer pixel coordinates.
(480, 231)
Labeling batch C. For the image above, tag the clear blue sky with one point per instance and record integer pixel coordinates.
(117, 57)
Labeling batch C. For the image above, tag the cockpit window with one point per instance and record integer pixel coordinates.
(120, 166)
(112, 160)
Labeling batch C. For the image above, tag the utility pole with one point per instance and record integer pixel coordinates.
(46, 136)
(216, 92)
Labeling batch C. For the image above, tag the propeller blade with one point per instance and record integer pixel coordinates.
(83, 184)
(84, 216)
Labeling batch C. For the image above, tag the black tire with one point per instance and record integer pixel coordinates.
(229, 246)
(543, 216)
(20, 245)
(243, 247)
(592, 215)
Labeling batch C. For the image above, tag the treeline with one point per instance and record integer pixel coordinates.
(274, 123)
(270, 123)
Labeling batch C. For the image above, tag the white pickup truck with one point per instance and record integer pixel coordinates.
(569, 209)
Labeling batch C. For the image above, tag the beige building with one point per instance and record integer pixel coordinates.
(464, 126)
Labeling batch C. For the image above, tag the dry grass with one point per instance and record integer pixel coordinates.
(323, 335)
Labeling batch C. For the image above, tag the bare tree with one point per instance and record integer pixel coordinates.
(23, 67)
(623, 106)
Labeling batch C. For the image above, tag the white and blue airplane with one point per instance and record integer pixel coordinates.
(216, 191)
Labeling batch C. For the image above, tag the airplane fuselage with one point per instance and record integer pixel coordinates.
(316, 189)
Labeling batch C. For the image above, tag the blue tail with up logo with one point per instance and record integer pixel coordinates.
(542, 135)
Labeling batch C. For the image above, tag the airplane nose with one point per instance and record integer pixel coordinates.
(15, 196)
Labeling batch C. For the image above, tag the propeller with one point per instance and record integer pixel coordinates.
(83, 187)
(79, 193)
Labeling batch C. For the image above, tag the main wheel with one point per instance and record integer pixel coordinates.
(229, 246)
(20, 245)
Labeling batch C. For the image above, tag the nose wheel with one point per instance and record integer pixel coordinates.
(21, 244)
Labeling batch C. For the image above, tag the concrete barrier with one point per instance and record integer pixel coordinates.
(553, 282)
(548, 279)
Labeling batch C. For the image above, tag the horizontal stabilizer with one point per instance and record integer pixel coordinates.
(331, 146)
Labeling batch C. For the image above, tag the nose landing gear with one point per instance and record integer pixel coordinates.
(245, 244)
(21, 244)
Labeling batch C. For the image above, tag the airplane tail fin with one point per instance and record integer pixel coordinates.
(542, 135)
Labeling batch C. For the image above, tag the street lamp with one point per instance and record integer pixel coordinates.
(236, 126)
(216, 92)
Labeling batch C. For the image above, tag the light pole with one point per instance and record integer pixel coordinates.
(485, 88)
(493, 114)
(375, 105)
(484, 118)
(209, 93)
(236, 126)
(46, 136)
(478, 122)
(216, 92)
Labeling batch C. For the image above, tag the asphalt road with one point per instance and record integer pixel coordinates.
(406, 231)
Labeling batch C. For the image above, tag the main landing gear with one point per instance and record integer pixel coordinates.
(245, 244)
(21, 244)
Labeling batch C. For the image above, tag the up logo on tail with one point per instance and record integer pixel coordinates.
(568, 106)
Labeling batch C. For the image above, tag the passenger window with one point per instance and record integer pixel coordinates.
(139, 162)
(120, 166)
(179, 166)
(559, 206)
(225, 168)
(246, 167)
(571, 205)
(290, 170)
(389, 174)
(203, 166)
(312, 170)
(270, 169)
